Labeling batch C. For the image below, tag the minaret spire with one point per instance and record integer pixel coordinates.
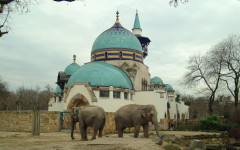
(136, 27)
(117, 20)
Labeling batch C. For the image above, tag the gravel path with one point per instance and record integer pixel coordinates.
(62, 141)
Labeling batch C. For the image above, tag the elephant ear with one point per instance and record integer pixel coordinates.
(74, 110)
(143, 111)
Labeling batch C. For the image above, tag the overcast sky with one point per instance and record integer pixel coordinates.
(43, 41)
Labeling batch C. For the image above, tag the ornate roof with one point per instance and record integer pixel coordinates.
(71, 68)
(58, 90)
(117, 37)
(156, 80)
(102, 74)
(136, 22)
(168, 86)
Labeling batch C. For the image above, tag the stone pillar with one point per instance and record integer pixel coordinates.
(111, 92)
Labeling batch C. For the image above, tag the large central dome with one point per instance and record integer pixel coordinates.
(117, 37)
(102, 74)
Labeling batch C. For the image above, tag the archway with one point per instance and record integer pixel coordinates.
(77, 101)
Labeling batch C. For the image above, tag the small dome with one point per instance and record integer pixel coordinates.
(71, 68)
(58, 90)
(102, 74)
(117, 37)
(156, 80)
(168, 86)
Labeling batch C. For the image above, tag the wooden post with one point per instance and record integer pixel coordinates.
(36, 122)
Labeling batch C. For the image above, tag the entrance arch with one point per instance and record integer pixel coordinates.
(77, 101)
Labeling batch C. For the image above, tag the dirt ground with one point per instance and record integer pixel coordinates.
(62, 141)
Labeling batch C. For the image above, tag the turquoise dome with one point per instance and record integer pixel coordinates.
(102, 74)
(117, 37)
(58, 90)
(71, 68)
(156, 80)
(168, 86)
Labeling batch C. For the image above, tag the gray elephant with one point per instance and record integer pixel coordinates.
(88, 116)
(136, 116)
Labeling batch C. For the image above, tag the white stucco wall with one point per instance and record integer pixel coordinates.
(108, 104)
(111, 104)
(56, 106)
(152, 98)
(183, 109)
(77, 89)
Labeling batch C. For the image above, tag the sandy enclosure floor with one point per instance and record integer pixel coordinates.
(62, 141)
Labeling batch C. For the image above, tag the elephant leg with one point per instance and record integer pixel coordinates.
(145, 130)
(120, 132)
(83, 131)
(136, 131)
(101, 129)
(100, 133)
(95, 130)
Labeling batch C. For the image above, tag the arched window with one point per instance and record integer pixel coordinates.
(133, 56)
(106, 55)
(95, 57)
(120, 55)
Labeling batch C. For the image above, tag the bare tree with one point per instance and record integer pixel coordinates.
(223, 106)
(229, 49)
(4, 94)
(7, 7)
(198, 108)
(44, 97)
(175, 3)
(204, 71)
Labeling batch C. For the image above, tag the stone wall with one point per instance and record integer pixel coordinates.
(16, 121)
(21, 121)
(110, 123)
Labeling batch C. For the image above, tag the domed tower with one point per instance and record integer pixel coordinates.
(120, 47)
(63, 76)
(116, 43)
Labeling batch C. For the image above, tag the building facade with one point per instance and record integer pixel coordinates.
(116, 76)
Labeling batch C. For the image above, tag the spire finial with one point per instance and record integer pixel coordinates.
(136, 11)
(74, 58)
(117, 20)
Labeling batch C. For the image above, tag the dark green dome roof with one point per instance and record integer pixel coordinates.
(102, 74)
(168, 86)
(156, 80)
(71, 68)
(117, 37)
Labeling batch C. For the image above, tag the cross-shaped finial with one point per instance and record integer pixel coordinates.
(74, 58)
(117, 20)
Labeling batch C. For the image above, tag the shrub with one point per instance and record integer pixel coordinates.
(210, 122)
(228, 127)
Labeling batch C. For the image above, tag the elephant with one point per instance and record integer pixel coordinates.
(88, 116)
(133, 115)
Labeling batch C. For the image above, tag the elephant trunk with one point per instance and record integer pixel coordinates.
(155, 123)
(72, 128)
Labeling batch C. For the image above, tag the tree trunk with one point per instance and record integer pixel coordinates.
(236, 92)
(211, 100)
